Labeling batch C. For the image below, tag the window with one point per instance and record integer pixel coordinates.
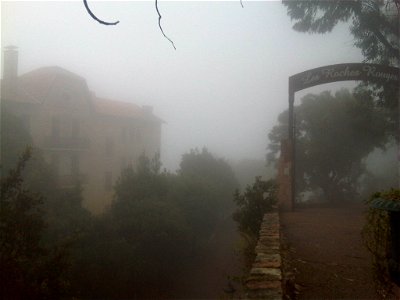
(55, 127)
(75, 164)
(26, 122)
(132, 134)
(123, 135)
(64, 166)
(107, 181)
(109, 147)
(66, 98)
(55, 163)
(138, 137)
(75, 127)
(123, 163)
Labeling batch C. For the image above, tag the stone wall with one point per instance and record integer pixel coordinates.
(265, 279)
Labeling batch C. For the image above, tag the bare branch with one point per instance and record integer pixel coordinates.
(241, 3)
(115, 23)
(97, 19)
(159, 25)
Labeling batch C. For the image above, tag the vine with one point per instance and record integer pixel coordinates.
(378, 238)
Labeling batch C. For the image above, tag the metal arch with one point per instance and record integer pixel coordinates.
(373, 73)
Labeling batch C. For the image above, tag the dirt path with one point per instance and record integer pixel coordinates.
(208, 278)
(327, 253)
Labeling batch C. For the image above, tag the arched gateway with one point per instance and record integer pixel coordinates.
(341, 72)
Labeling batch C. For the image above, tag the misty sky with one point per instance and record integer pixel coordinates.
(222, 88)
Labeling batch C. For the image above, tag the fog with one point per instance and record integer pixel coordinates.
(133, 170)
(222, 88)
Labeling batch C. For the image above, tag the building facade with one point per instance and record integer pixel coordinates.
(82, 136)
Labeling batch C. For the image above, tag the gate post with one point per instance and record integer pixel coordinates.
(284, 179)
(291, 153)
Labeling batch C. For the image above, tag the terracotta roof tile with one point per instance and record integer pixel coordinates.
(34, 85)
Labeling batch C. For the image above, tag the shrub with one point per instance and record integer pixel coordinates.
(379, 237)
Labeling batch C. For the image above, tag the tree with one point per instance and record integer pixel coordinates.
(334, 134)
(155, 227)
(374, 24)
(375, 27)
(142, 239)
(62, 208)
(56, 215)
(207, 186)
(214, 173)
(29, 270)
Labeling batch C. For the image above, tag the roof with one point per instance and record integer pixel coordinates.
(34, 85)
(115, 108)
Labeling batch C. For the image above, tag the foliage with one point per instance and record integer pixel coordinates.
(66, 217)
(14, 140)
(381, 170)
(374, 24)
(215, 173)
(57, 214)
(334, 134)
(150, 218)
(377, 236)
(29, 270)
(156, 225)
(207, 184)
(253, 204)
(375, 27)
(62, 208)
(139, 241)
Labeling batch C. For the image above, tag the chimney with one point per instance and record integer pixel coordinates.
(10, 73)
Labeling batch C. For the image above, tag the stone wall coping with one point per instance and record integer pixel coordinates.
(265, 278)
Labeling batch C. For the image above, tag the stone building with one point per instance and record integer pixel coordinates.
(81, 135)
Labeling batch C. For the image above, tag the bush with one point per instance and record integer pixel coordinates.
(253, 204)
(378, 237)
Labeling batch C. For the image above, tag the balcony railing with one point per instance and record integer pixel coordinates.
(66, 142)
